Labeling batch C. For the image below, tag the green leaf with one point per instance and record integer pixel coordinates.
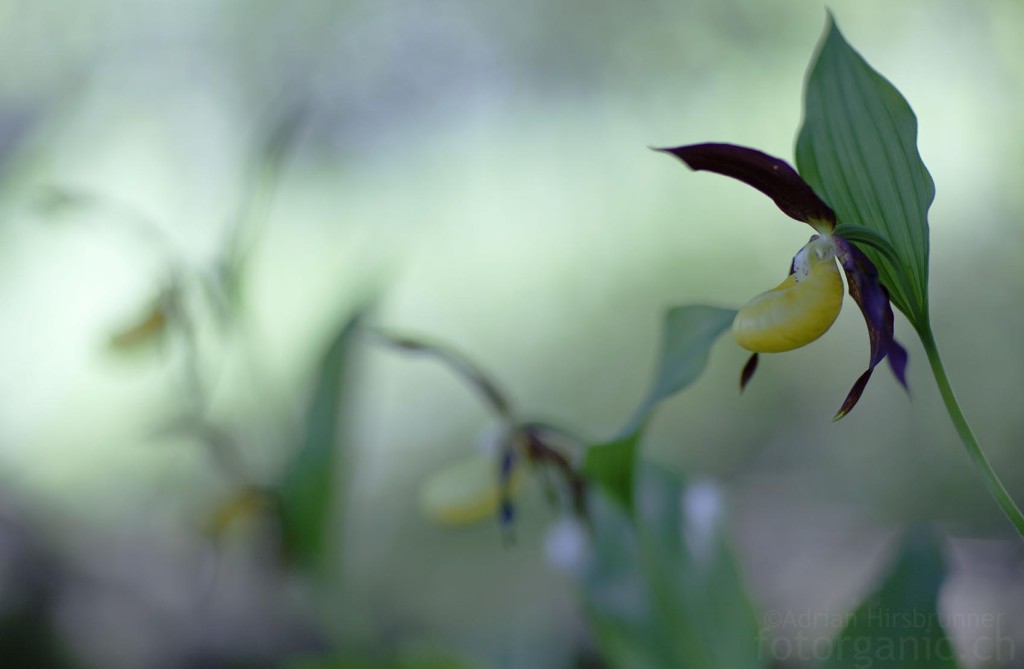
(309, 487)
(616, 597)
(898, 625)
(688, 334)
(359, 663)
(663, 589)
(611, 465)
(858, 150)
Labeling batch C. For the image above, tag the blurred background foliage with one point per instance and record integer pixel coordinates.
(195, 194)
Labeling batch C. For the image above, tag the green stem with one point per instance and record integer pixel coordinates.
(981, 463)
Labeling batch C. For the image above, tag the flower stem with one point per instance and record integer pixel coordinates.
(981, 463)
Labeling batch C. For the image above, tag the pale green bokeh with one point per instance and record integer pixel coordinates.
(486, 168)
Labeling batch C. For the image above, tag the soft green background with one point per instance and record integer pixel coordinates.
(485, 167)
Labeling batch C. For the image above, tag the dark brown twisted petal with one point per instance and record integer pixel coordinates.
(748, 372)
(873, 300)
(772, 176)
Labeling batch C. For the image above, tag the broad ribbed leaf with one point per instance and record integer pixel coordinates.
(858, 149)
(899, 626)
(310, 486)
(689, 333)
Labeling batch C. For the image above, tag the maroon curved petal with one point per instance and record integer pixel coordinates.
(873, 300)
(748, 372)
(772, 176)
(854, 395)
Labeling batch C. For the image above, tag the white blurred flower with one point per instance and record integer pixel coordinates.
(567, 545)
(703, 509)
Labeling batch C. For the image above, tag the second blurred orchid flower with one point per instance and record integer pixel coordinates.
(485, 483)
(804, 306)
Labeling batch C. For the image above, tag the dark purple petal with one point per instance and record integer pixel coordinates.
(873, 300)
(508, 464)
(506, 518)
(507, 513)
(870, 295)
(772, 176)
(506, 510)
(748, 372)
(898, 363)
